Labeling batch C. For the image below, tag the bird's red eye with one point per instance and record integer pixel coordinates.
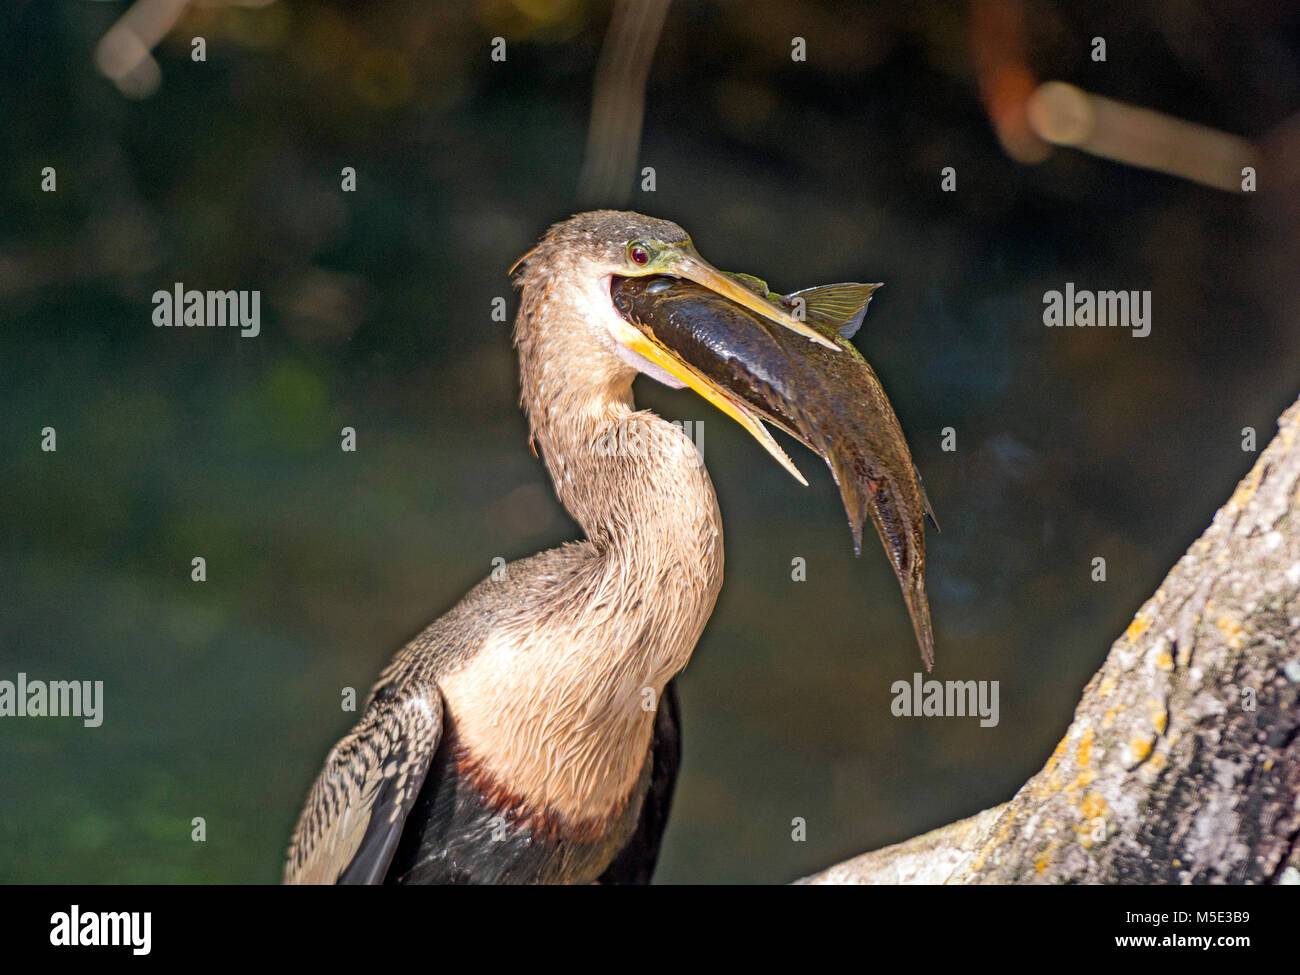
(639, 255)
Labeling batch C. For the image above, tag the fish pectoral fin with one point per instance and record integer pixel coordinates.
(756, 285)
(925, 499)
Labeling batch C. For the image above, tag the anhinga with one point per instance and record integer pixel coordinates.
(530, 735)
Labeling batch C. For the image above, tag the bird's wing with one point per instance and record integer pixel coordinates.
(636, 861)
(357, 809)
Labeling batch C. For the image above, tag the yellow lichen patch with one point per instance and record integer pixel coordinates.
(1058, 753)
(1042, 786)
(1042, 863)
(1083, 780)
(1231, 630)
(1164, 661)
(1246, 488)
(1140, 748)
(1005, 823)
(1093, 805)
(1141, 622)
(1157, 762)
(1107, 686)
(1159, 717)
(1086, 830)
(1109, 717)
(1084, 755)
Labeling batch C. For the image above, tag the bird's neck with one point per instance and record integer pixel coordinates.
(637, 486)
(562, 704)
(634, 482)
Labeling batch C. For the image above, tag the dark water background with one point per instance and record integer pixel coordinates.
(222, 698)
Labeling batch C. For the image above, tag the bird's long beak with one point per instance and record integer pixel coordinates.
(689, 265)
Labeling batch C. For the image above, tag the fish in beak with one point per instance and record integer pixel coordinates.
(722, 337)
(683, 262)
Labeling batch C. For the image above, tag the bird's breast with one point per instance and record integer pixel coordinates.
(549, 730)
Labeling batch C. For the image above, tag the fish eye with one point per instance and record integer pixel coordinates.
(638, 254)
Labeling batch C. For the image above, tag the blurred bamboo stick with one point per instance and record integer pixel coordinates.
(123, 54)
(1068, 116)
(618, 102)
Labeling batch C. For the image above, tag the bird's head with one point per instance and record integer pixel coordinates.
(572, 272)
(584, 254)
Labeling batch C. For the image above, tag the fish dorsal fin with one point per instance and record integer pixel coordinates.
(840, 306)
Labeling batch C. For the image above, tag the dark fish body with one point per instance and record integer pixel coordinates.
(830, 399)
